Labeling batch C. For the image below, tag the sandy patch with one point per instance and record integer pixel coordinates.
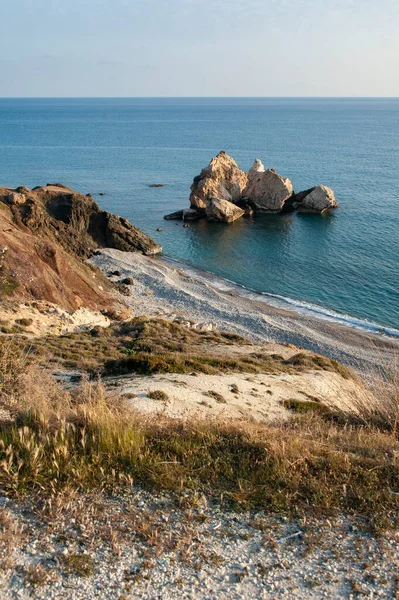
(237, 395)
(45, 318)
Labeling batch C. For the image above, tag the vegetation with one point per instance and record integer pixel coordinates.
(304, 406)
(158, 395)
(61, 441)
(8, 284)
(146, 346)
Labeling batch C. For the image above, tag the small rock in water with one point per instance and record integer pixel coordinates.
(159, 229)
(156, 185)
(127, 281)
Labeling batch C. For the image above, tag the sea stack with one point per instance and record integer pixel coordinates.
(223, 192)
(317, 200)
(221, 179)
(266, 190)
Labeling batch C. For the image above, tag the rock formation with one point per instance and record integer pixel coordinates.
(45, 235)
(267, 190)
(222, 185)
(77, 221)
(222, 210)
(318, 199)
(220, 179)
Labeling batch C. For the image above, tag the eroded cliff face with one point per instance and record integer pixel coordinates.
(45, 236)
(75, 220)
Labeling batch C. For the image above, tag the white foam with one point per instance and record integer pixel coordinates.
(278, 301)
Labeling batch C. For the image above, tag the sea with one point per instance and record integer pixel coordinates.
(342, 266)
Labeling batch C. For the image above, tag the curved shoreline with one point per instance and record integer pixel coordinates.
(285, 303)
(165, 290)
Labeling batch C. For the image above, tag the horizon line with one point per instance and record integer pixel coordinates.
(198, 97)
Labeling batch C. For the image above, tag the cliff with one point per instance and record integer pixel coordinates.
(45, 236)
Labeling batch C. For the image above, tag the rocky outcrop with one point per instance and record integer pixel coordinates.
(222, 210)
(45, 236)
(261, 191)
(317, 200)
(222, 179)
(193, 214)
(75, 220)
(266, 189)
(174, 216)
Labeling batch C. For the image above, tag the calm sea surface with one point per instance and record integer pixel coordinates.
(345, 262)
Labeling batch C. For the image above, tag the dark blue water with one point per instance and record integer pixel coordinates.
(346, 261)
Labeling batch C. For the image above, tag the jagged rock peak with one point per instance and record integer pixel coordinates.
(222, 179)
(257, 167)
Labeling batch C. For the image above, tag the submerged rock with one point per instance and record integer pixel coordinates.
(221, 179)
(191, 214)
(317, 199)
(222, 210)
(267, 190)
(174, 215)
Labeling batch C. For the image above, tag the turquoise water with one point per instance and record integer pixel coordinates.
(345, 262)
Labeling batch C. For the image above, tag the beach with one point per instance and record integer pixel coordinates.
(163, 288)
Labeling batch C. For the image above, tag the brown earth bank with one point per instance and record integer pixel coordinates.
(47, 233)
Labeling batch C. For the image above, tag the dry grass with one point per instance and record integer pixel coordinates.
(89, 441)
(61, 441)
(145, 347)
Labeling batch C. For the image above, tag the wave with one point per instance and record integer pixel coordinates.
(282, 302)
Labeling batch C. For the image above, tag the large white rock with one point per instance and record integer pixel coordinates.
(267, 190)
(222, 179)
(14, 198)
(222, 210)
(318, 200)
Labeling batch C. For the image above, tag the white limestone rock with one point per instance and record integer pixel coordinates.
(222, 179)
(318, 200)
(222, 210)
(266, 189)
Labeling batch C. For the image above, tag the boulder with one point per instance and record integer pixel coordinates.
(15, 198)
(222, 179)
(192, 214)
(222, 210)
(178, 215)
(316, 200)
(266, 189)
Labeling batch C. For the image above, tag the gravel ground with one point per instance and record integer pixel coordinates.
(147, 546)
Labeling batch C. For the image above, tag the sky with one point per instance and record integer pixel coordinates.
(59, 48)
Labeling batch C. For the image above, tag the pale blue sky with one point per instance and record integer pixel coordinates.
(199, 48)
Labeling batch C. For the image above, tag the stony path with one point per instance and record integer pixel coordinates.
(145, 546)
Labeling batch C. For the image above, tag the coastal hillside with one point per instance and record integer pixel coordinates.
(157, 432)
(46, 235)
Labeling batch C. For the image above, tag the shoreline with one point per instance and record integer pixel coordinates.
(164, 290)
